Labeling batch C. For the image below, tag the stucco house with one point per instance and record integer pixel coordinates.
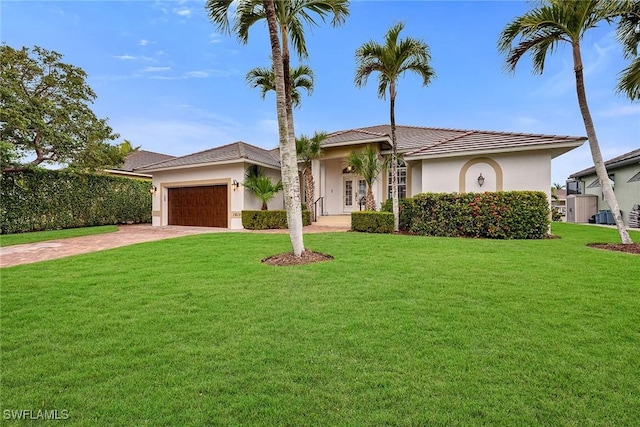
(205, 188)
(138, 159)
(624, 173)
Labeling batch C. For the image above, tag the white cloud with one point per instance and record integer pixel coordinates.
(185, 12)
(620, 111)
(215, 38)
(124, 57)
(155, 69)
(143, 42)
(197, 74)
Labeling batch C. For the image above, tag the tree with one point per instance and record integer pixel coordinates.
(368, 165)
(261, 185)
(628, 33)
(309, 149)
(539, 32)
(44, 110)
(288, 18)
(391, 60)
(264, 78)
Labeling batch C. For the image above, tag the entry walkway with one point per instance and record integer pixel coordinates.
(126, 235)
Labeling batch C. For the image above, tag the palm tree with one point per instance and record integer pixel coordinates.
(309, 149)
(392, 59)
(288, 17)
(368, 165)
(264, 78)
(539, 31)
(261, 185)
(628, 33)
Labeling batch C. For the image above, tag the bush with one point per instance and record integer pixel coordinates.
(267, 220)
(372, 222)
(499, 215)
(42, 199)
(406, 207)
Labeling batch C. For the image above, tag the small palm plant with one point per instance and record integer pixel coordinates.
(261, 185)
(309, 149)
(368, 165)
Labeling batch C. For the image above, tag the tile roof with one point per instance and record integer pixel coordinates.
(423, 141)
(623, 160)
(234, 151)
(140, 158)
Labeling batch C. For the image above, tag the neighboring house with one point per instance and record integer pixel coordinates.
(559, 201)
(624, 173)
(434, 160)
(138, 159)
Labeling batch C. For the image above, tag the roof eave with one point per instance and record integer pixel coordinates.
(216, 163)
(357, 142)
(556, 150)
(592, 170)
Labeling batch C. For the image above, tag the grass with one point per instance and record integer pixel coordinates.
(41, 236)
(396, 330)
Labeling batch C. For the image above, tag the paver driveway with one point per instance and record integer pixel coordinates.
(126, 235)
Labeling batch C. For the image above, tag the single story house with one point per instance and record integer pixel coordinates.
(138, 159)
(624, 173)
(204, 188)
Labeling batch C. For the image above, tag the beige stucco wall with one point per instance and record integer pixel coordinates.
(331, 186)
(238, 200)
(517, 171)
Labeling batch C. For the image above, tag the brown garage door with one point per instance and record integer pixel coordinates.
(198, 206)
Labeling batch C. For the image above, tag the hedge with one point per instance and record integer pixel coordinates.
(42, 199)
(372, 222)
(496, 215)
(267, 220)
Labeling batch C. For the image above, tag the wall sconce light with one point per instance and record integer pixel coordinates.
(153, 189)
(480, 180)
(235, 184)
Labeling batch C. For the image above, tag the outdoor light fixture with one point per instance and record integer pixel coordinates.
(153, 189)
(235, 184)
(480, 180)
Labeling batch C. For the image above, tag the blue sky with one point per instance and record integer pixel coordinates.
(168, 82)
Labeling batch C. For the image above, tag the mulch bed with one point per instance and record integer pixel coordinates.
(308, 257)
(633, 248)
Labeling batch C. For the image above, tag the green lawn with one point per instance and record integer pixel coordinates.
(396, 330)
(41, 236)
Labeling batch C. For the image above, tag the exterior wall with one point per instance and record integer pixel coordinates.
(627, 193)
(238, 200)
(415, 178)
(251, 202)
(520, 171)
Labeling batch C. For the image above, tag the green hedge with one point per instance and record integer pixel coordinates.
(495, 215)
(267, 220)
(372, 222)
(41, 199)
(406, 207)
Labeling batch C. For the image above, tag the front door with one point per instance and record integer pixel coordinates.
(354, 189)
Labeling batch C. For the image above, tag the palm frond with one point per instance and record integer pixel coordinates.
(629, 80)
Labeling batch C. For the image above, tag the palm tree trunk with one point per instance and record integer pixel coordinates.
(598, 162)
(394, 158)
(288, 160)
(310, 188)
(370, 201)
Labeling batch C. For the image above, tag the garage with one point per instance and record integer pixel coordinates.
(203, 206)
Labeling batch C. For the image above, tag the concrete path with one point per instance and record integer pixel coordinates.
(126, 235)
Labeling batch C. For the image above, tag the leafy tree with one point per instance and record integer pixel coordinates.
(309, 149)
(261, 185)
(540, 31)
(264, 78)
(368, 165)
(44, 111)
(391, 60)
(629, 34)
(285, 20)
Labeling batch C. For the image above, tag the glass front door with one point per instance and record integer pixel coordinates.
(354, 190)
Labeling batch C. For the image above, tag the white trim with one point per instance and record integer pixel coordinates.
(224, 162)
(549, 147)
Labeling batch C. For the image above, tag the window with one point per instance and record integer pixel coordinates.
(573, 187)
(402, 180)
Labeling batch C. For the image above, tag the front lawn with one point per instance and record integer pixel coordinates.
(396, 330)
(41, 236)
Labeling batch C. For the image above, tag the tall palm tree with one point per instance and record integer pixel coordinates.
(261, 185)
(368, 165)
(539, 32)
(391, 60)
(285, 20)
(264, 78)
(309, 149)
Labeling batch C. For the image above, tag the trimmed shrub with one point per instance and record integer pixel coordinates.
(406, 207)
(42, 199)
(372, 222)
(495, 215)
(267, 220)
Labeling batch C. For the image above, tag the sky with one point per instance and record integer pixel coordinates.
(169, 82)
